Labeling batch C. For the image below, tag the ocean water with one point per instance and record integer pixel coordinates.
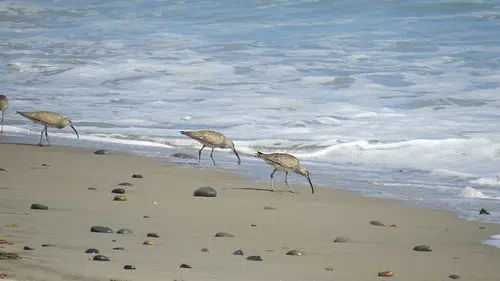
(395, 99)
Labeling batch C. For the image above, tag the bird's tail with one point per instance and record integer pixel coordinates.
(259, 154)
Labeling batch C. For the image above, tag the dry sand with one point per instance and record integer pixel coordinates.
(186, 224)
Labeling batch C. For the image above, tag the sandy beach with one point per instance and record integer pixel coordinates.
(76, 186)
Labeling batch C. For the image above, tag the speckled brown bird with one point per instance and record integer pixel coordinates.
(48, 119)
(213, 140)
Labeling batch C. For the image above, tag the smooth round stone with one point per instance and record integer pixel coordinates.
(483, 211)
(253, 225)
(185, 266)
(238, 253)
(101, 229)
(376, 223)
(152, 234)
(385, 274)
(294, 253)
(137, 176)
(204, 250)
(45, 165)
(482, 227)
(129, 267)
(102, 152)
(254, 258)
(92, 188)
(224, 234)
(205, 191)
(454, 276)
(146, 217)
(147, 242)
(422, 248)
(125, 231)
(36, 206)
(3, 170)
(120, 198)
(100, 258)
(270, 208)
(118, 191)
(27, 248)
(342, 239)
(125, 184)
(49, 245)
(118, 248)
(92, 251)
(183, 156)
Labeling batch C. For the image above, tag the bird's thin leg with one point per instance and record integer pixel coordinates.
(272, 179)
(47, 136)
(199, 154)
(41, 136)
(1, 131)
(286, 182)
(211, 156)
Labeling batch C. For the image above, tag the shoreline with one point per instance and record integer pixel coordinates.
(187, 224)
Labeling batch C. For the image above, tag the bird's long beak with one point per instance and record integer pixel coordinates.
(312, 187)
(236, 153)
(75, 131)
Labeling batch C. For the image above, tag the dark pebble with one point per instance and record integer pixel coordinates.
(146, 217)
(422, 248)
(101, 229)
(125, 184)
(118, 191)
(113, 240)
(92, 188)
(92, 251)
(376, 223)
(454, 276)
(137, 176)
(483, 211)
(238, 253)
(294, 253)
(118, 248)
(37, 206)
(253, 225)
(254, 258)
(45, 165)
(482, 227)
(205, 250)
(48, 245)
(100, 258)
(3, 170)
(269, 208)
(342, 239)
(183, 156)
(205, 191)
(129, 267)
(102, 152)
(27, 248)
(152, 234)
(185, 266)
(125, 231)
(120, 198)
(224, 234)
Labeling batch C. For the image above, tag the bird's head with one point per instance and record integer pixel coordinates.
(67, 122)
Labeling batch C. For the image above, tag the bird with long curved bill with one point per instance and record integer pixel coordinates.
(213, 140)
(48, 119)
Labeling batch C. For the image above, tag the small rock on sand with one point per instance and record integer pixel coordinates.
(118, 191)
(152, 234)
(270, 208)
(125, 231)
(9, 256)
(102, 152)
(342, 239)
(205, 191)
(137, 176)
(36, 206)
(92, 251)
(27, 248)
(101, 229)
(205, 250)
(254, 258)
(183, 156)
(385, 274)
(92, 188)
(376, 223)
(125, 184)
(422, 248)
(238, 253)
(294, 253)
(100, 258)
(129, 267)
(483, 211)
(120, 198)
(118, 249)
(185, 266)
(224, 234)
(454, 276)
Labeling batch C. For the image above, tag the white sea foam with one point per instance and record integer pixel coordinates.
(470, 192)
(488, 181)
(493, 240)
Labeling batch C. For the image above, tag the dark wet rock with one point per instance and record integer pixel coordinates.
(205, 191)
(152, 234)
(137, 176)
(342, 239)
(3, 170)
(113, 240)
(120, 198)
(118, 191)
(224, 234)
(205, 250)
(101, 229)
(102, 152)
(183, 156)
(92, 251)
(269, 208)
(9, 256)
(238, 253)
(185, 266)
(376, 223)
(422, 248)
(385, 273)
(100, 258)
(454, 276)
(254, 258)
(146, 217)
(294, 253)
(129, 267)
(37, 206)
(45, 165)
(125, 231)
(483, 211)
(253, 225)
(125, 184)
(49, 245)
(27, 248)
(118, 248)
(482, 227)
(92, 188)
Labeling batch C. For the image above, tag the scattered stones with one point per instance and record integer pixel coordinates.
(205, 250)
(129, 267)
(118, 191)
(118, 248)
(120, 198)
(185, 266)
(101, 229)
(342, 239)
(205, 191)
(454, 276)
(92, 251)
(294, 253)
(100, 258)
(376, 223)
(270, 208)
(125, 184)
(385, 274)
(148, 242)
(28, 248)
(152, 234)
(254, 258)
(224, 234)
(238, 253)
(9, 256)
(483, 211)
(102, 152)
(422, 248)
(36, 206)
(125, 231)
(92, 188)
(183, 156)
(49, 245)
(137, 176)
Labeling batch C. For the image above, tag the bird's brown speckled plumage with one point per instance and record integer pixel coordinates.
(212, 139)
(48, 119)
(4, 104)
